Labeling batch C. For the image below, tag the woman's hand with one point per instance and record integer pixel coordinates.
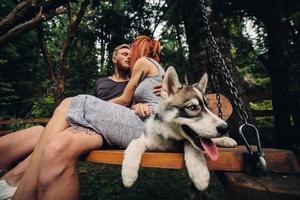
(142, 110)
(157, 89)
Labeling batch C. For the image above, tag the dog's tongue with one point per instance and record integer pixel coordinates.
(210, 148)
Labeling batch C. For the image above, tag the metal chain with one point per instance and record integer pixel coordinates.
(216, 85)
(218, 61)
(259, 165)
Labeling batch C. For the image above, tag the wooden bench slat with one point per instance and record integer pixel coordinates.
(230, 159)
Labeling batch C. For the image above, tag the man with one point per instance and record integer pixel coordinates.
(106, 89)
(110, 87)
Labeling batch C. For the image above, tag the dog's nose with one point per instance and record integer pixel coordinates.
(223, 129)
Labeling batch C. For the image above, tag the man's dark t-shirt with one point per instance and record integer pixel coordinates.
(107, 89)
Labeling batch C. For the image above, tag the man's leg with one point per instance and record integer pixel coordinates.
(14, 175)
(28, 186)
(57, 173)
(17, 145)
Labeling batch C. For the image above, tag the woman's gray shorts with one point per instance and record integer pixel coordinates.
(117, 124)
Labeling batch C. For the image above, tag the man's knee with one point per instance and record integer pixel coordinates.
(38, 128)
(56, 160)
(63, 106)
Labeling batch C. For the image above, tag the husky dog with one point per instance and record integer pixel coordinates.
(181, 115)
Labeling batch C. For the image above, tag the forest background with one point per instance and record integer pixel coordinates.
(53, 49)
(66, 52)
(259, 41)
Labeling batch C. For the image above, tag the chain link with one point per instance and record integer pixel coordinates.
(219, 62)
(216, 86)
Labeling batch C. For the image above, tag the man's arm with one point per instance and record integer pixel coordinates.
(140, 70)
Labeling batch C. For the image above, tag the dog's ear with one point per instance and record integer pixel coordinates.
(203, 83)
(171, 83)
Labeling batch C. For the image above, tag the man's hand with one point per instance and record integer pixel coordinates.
(157, 89)
(141, 110)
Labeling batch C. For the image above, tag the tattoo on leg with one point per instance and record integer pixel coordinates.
(80, 129)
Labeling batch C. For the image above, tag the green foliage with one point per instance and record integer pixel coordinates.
(43, 108)
(261, 105)
(7, 94)
(246, 54)
(22, 73)
(266, 121)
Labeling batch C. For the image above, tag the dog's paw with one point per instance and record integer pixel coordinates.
(225, 142)
(129, 176)
(229, 142)
(201, 182)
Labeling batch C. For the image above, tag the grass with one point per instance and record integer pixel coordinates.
(99, 181)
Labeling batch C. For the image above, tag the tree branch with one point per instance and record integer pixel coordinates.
(23, 17)
(15, 16)
(21, 28)
(70, 36)
(47, 59)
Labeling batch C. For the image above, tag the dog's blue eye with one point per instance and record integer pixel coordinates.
(191, 107)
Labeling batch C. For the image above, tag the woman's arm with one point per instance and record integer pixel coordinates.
(141, 69)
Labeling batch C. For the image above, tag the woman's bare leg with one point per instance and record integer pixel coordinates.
(59, 180)
(17, 145)
(28, 186)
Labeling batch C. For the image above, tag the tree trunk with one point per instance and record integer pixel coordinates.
(51, 69)
(65, 47)
(191, 15)
(278, 72)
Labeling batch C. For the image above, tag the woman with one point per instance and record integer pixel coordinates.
(117, 124)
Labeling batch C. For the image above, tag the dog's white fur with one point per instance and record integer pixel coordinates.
(161, 133)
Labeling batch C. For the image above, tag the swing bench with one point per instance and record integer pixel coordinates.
(232, 167)
(230, 159)
(235, 167)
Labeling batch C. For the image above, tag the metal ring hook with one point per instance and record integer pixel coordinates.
(259, 164)
(259, 148)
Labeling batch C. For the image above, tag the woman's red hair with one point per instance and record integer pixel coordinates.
(144, 46)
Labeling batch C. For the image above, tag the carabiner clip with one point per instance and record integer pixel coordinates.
(257, 160)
